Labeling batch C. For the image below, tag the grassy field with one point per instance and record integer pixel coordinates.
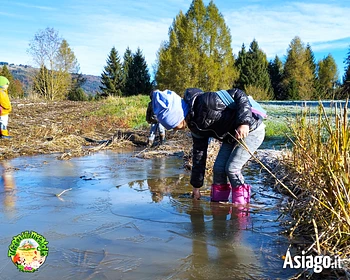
(130, 112)
(281, 117)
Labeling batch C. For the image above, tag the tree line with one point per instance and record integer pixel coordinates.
(130, 77)
(198, 53)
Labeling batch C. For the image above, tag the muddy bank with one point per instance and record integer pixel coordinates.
(65, 127)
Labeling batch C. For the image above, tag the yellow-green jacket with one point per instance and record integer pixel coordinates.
(4, 102)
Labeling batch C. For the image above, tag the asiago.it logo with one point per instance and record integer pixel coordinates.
(317, 263)
(28, 251)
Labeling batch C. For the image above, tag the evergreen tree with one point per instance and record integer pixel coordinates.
(310, 59)
(298, 77)
(15, 88)
(240, 64)
(254, 76)
(77, 93)
(218, 59)
(127, 60)
(345, 87)
(327, 77)
(67, 63)
(292, 89)
(138, 81)
(41, 86)
(65, 59)
(59, 84)
(78, 80)
(6, 73)
(177, 60)
(112, 76)
(275, 69)
(198, 53)
(346, 77)
(163, 66)
(46, 88)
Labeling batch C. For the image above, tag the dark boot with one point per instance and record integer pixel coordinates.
(162, 139)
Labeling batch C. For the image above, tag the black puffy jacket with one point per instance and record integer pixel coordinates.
(209, 117)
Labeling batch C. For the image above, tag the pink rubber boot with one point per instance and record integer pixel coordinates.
(241, 194)
(241, 199)
(220, 192)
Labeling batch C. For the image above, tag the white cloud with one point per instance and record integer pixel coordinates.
(92, 28)
(120, 32)
(324, 46)
(275, 27)
(30, 6)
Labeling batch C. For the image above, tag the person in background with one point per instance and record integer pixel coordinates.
(155, 125)
(5, 107)
(206, 115)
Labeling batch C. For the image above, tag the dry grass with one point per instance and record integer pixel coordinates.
(42, 127)
(320, 170)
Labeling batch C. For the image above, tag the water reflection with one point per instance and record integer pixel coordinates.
(159, 184)
(157, 188)
(145, 228)
(219, 250)
(9, 189)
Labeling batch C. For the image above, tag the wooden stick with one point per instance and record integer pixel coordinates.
(66, 190)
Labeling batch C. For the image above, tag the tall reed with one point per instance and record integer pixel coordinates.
(321, 161)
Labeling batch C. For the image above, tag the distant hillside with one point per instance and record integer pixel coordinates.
(92, 84)
(24, 73)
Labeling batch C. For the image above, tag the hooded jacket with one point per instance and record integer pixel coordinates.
(208, 116)
(169, 108)
(5, 103)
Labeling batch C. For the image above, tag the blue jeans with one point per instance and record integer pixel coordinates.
(232, 157)
(153, 131)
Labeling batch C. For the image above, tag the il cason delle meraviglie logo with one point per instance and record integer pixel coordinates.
(28, 251)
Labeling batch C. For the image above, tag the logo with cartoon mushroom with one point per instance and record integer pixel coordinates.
(28, 251)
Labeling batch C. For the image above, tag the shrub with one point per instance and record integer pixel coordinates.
(77, 95)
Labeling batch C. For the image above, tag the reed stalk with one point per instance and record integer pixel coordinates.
(321, 161)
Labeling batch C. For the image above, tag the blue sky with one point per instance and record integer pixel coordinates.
(92, 27)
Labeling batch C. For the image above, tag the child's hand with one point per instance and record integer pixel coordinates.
(242, 131)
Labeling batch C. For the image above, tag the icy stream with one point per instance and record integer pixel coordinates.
(123, 217)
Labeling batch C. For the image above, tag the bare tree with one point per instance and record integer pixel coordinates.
(55, 60)
(44, 47)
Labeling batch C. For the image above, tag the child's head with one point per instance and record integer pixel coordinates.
(4, 82)
(169, 108)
